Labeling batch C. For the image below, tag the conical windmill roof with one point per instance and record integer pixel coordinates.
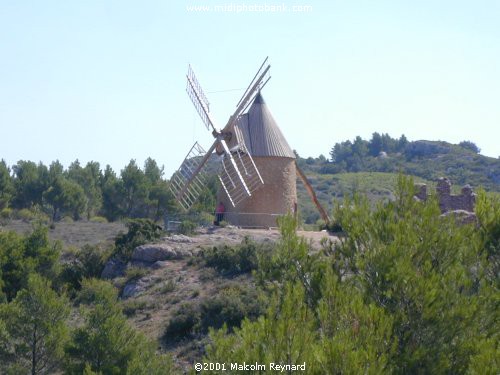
(262, 136)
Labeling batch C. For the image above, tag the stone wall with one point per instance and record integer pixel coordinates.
(276, 197)
(461, 205)
(447, 201)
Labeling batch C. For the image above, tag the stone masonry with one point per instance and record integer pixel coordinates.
(461, 205)
(449, 202)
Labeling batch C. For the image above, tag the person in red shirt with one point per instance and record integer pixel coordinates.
(219, 213)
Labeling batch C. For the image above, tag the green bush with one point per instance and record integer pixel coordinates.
(140, 231)
(229, 260)
(333, 227)
(6, 213)
(22, 255)
(187, 227)
(130, 307)
(184, 322)
(98, 219)
(134, 273)
(230, 306)
(88, 262)
(167, 287)
(24, 214)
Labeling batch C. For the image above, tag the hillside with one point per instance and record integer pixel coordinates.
(375, 176)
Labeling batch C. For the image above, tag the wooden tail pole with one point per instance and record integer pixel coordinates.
(312, 194)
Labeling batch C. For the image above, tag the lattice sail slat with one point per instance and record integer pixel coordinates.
(199, 99)
(239, 175)
(186, 184)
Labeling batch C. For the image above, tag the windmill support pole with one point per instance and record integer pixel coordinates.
(196, 171)
(312, 194)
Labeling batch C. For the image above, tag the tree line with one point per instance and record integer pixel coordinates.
(86, 191)
(362, 155)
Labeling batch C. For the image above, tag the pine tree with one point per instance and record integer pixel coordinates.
(36, 324)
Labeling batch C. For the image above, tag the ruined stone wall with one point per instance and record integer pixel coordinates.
(461, 205)
(449, 202)
(275, 198)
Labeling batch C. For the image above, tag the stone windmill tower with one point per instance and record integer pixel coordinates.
(257, 172)
(275, 161)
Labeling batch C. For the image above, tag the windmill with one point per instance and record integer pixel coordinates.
(257, 172)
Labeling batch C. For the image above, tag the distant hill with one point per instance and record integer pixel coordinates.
(353, 166)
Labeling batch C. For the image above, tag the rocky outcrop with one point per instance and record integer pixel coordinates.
(159, 264)
(150, 255)
(135, 287)
(178, 238)
(114, 268)
(158, 252)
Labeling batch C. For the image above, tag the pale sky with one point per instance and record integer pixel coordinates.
(105, 80)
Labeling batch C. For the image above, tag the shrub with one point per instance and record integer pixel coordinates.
(130, 307)
(183, 323)
(167, 287)
(97, 292)
(134, 273)
(140, 231)
(187, 227)
(334, 226)
(6, 213)
(229, 260)
(230, 306)
(24, 214)
(88, 262)
(98, 219)
(22, 255)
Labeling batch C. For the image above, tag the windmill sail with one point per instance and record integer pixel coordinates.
(238, 175)
(190, 179)
(199, 99)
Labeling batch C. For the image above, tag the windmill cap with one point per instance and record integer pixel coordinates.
(259, 99)
(261, 133)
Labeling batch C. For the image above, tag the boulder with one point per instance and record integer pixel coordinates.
(133, 288)
(179, 238)
(113, 268)
(159, 264)
(158, 252)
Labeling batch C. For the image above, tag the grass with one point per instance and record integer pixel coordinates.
(167, 287)
(76, 233)
(135, 273)
(130, 307)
